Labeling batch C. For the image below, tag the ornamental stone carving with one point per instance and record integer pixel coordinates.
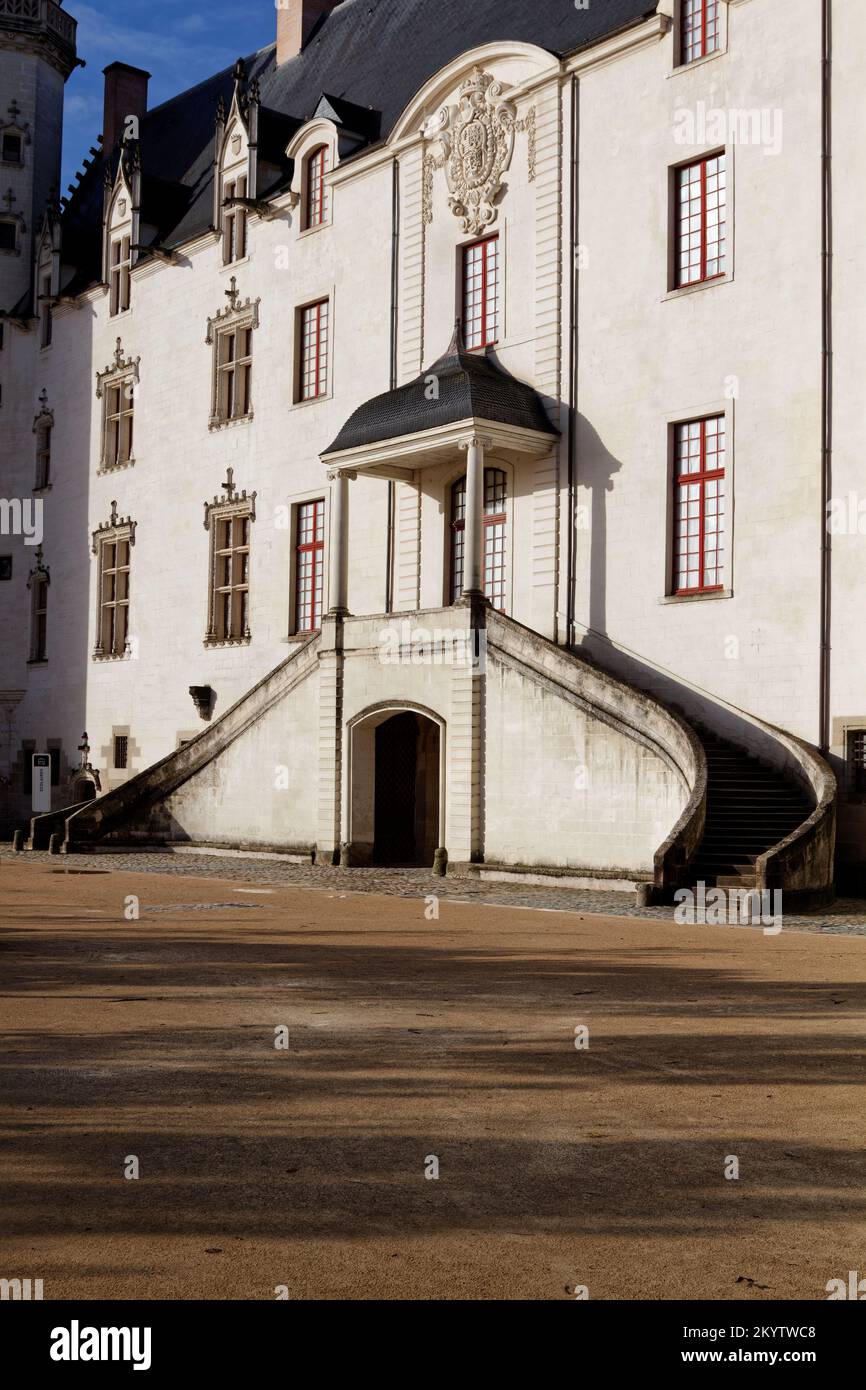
(477, 137)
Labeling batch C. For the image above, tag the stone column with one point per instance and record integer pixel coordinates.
(473, 546)
(338, 568)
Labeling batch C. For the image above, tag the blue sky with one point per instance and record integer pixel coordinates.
(179, 41)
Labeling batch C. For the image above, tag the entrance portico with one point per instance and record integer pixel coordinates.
(463, 412)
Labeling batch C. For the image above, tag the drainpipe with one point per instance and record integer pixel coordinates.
(574, 232)
(827, 366)
(395, 284)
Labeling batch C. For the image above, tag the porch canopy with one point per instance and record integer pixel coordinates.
(464, 401)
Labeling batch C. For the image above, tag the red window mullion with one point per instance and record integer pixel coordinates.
(703, 236)
(701, 478)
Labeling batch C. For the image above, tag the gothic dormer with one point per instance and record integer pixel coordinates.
(235, 140)
(122, 210)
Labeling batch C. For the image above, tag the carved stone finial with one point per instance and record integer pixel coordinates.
(113, 513)
(118, 353)
(231, 293)
(229, 484)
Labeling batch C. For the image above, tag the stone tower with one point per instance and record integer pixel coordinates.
(37, 54)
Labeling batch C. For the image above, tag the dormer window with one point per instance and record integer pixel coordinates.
(234, 221)
(700, 29)
(316, 213)
(119, 275)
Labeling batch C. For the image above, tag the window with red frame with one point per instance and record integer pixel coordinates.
(317, 192)
(309, 563)
(701, 221)
(495, 494)
(700, 29)
(481, 293)
(314, 351)
(699, 506)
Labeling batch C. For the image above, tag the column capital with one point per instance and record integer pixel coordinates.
(335, 473)
(476, 441)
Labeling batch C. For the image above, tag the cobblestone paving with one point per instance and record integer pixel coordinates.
(846, 917)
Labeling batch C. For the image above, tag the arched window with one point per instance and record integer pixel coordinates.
(495, 495)
(316, 211)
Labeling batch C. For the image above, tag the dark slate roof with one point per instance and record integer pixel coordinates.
(471, 385)
(370, 55)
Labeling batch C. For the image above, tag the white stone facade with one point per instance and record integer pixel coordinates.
(590, 318)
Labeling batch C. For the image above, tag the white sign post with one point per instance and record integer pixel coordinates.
(41, 783)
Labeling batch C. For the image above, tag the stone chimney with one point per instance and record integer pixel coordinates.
(125, 95)
(296, 20)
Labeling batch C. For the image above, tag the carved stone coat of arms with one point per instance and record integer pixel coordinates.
(477, 138)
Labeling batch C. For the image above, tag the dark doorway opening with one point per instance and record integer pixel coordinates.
(406, 791)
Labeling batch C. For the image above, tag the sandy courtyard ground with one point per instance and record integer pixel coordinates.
(412, 1039)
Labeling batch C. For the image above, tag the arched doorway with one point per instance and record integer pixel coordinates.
(396, 788)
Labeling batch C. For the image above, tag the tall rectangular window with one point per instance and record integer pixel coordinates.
(314, 351)
(699, 505)
(119, 405)
(119, 275)
(481, 293)
(39, 620)
(495, 573)
(309, 566)
(234, 373)
(12, 148)
(121, 751)
(701, 221)
(235, 223)
(46, 311)
(316, 213)
(700, 29)
(230, 607)
(113, 597)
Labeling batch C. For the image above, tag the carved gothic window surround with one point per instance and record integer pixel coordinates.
(112, 545)
(230, 333)
(228, 520)
(121, 222)
(116, 388)
(43, 427)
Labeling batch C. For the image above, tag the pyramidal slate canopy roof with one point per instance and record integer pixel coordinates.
(368, 56)
(469, 385)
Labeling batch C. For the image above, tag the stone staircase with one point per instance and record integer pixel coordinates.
(750, 808)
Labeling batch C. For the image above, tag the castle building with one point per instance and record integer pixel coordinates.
(434, 439)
